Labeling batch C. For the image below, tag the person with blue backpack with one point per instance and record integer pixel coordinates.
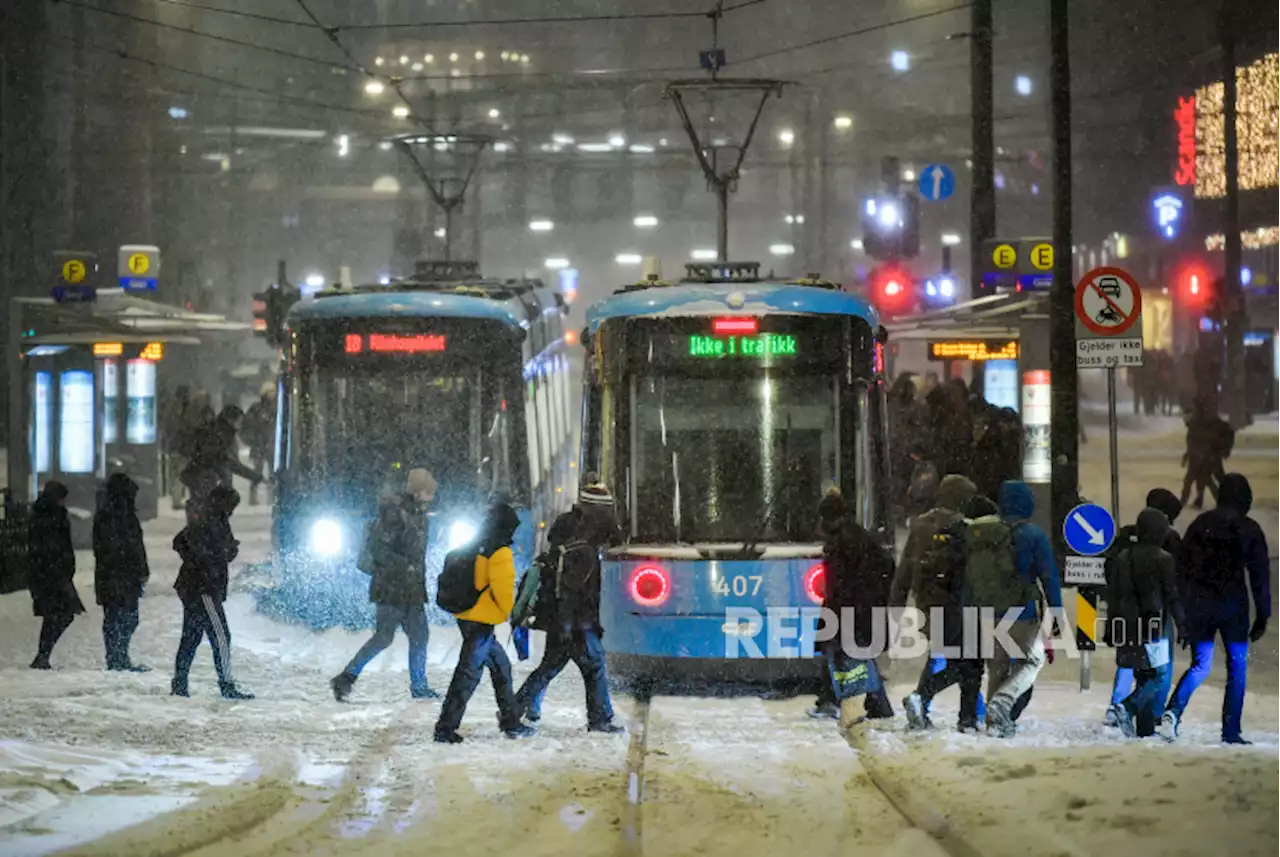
(478, 586)
(1224, 560)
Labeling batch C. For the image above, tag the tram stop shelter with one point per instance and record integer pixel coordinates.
(1008, 335)
(83, 382)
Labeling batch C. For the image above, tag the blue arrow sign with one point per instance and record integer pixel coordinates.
(1089, 529)
(937, 182)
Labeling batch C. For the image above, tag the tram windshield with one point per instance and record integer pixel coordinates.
(733, 459)
(733, 428)
(370, 406)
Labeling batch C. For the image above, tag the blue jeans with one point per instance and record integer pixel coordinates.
(937, 665)
(1146, 703)
(1122, 685)
(480, 649)
(389, 617)
(119, 621)
(1233, 626)
(585, 649)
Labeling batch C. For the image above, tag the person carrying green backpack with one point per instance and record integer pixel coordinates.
(1009, 565)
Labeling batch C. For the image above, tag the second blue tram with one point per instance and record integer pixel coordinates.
(719, 411)
(465, 377)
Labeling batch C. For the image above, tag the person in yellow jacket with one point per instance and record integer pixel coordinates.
(495, 580)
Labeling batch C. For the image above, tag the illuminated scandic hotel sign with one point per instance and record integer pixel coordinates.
(1201, 143)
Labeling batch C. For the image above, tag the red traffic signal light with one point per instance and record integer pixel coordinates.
(892, 289)
(1195, 284)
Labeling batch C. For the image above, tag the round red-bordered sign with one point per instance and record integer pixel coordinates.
(1120, 296)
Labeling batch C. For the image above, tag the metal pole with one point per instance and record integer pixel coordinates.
(1114, 449)
(722, 219)
(982, 197)
(448, 231)
(1234, 292)
(1064, 429)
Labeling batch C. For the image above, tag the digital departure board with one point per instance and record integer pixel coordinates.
(973, 349)
(759, 346)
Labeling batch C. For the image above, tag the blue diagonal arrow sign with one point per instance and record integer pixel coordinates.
(1089, 529)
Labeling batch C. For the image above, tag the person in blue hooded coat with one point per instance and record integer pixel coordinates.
(1010, 679)
(1224, 560)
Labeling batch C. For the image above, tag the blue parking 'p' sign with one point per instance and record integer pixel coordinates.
(1089, 529)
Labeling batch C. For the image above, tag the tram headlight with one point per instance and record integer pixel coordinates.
(462, 533)
(326, 537)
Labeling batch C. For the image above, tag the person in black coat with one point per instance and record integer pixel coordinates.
(215, 455)
(857, 581)
(120, 568)
(396, 554)
(207, 548)
(52, 569)
(1142, 597)
(567, 608)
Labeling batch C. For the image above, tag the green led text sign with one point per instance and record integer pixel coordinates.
(762, 345)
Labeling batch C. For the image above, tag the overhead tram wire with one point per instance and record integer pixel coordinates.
(191, 31)
(848, 34)
(549, 19)
(256, 16)
(222, 81)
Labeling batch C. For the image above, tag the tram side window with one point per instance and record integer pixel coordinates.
(553, 406)
(531, 432)
(544, 426)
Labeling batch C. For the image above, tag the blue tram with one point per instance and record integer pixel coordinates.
(719, 411)
(464, 376)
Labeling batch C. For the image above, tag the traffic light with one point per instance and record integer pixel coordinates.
(1195, 285)
(892, 289)
(891, 226)
(269, 311)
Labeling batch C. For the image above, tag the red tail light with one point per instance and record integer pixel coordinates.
(650, 586)
(815, 583)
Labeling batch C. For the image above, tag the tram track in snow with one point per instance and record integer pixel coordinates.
(864, 805)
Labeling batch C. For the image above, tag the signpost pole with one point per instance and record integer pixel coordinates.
(1114, 447)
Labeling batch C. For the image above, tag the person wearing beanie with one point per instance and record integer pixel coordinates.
(394, 556)
(567, 607)
(1224, 560)
(1165, 501)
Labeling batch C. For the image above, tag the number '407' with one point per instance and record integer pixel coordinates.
(739, 585)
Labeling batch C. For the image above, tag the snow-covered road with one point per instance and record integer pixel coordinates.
(103, 764)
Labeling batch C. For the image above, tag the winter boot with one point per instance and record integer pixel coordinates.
(136, 668)
(341, 685)
(999, 722)
(178, 687)
(1168, 728)
(230, 691)
(41, 663)
(1125, 722)
(916, 716)
(447, 737)
(1239, 741)
(608, 728)
(823, 710)
(521, 731)
(1115, 714)
(423, 692)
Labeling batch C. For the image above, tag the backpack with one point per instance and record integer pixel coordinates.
(457, 591)
(527, 592)
(940, 567)
(365, 560)
(1213, 560)
(991, 570)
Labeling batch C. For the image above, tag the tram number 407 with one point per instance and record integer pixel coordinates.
(740, 585)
